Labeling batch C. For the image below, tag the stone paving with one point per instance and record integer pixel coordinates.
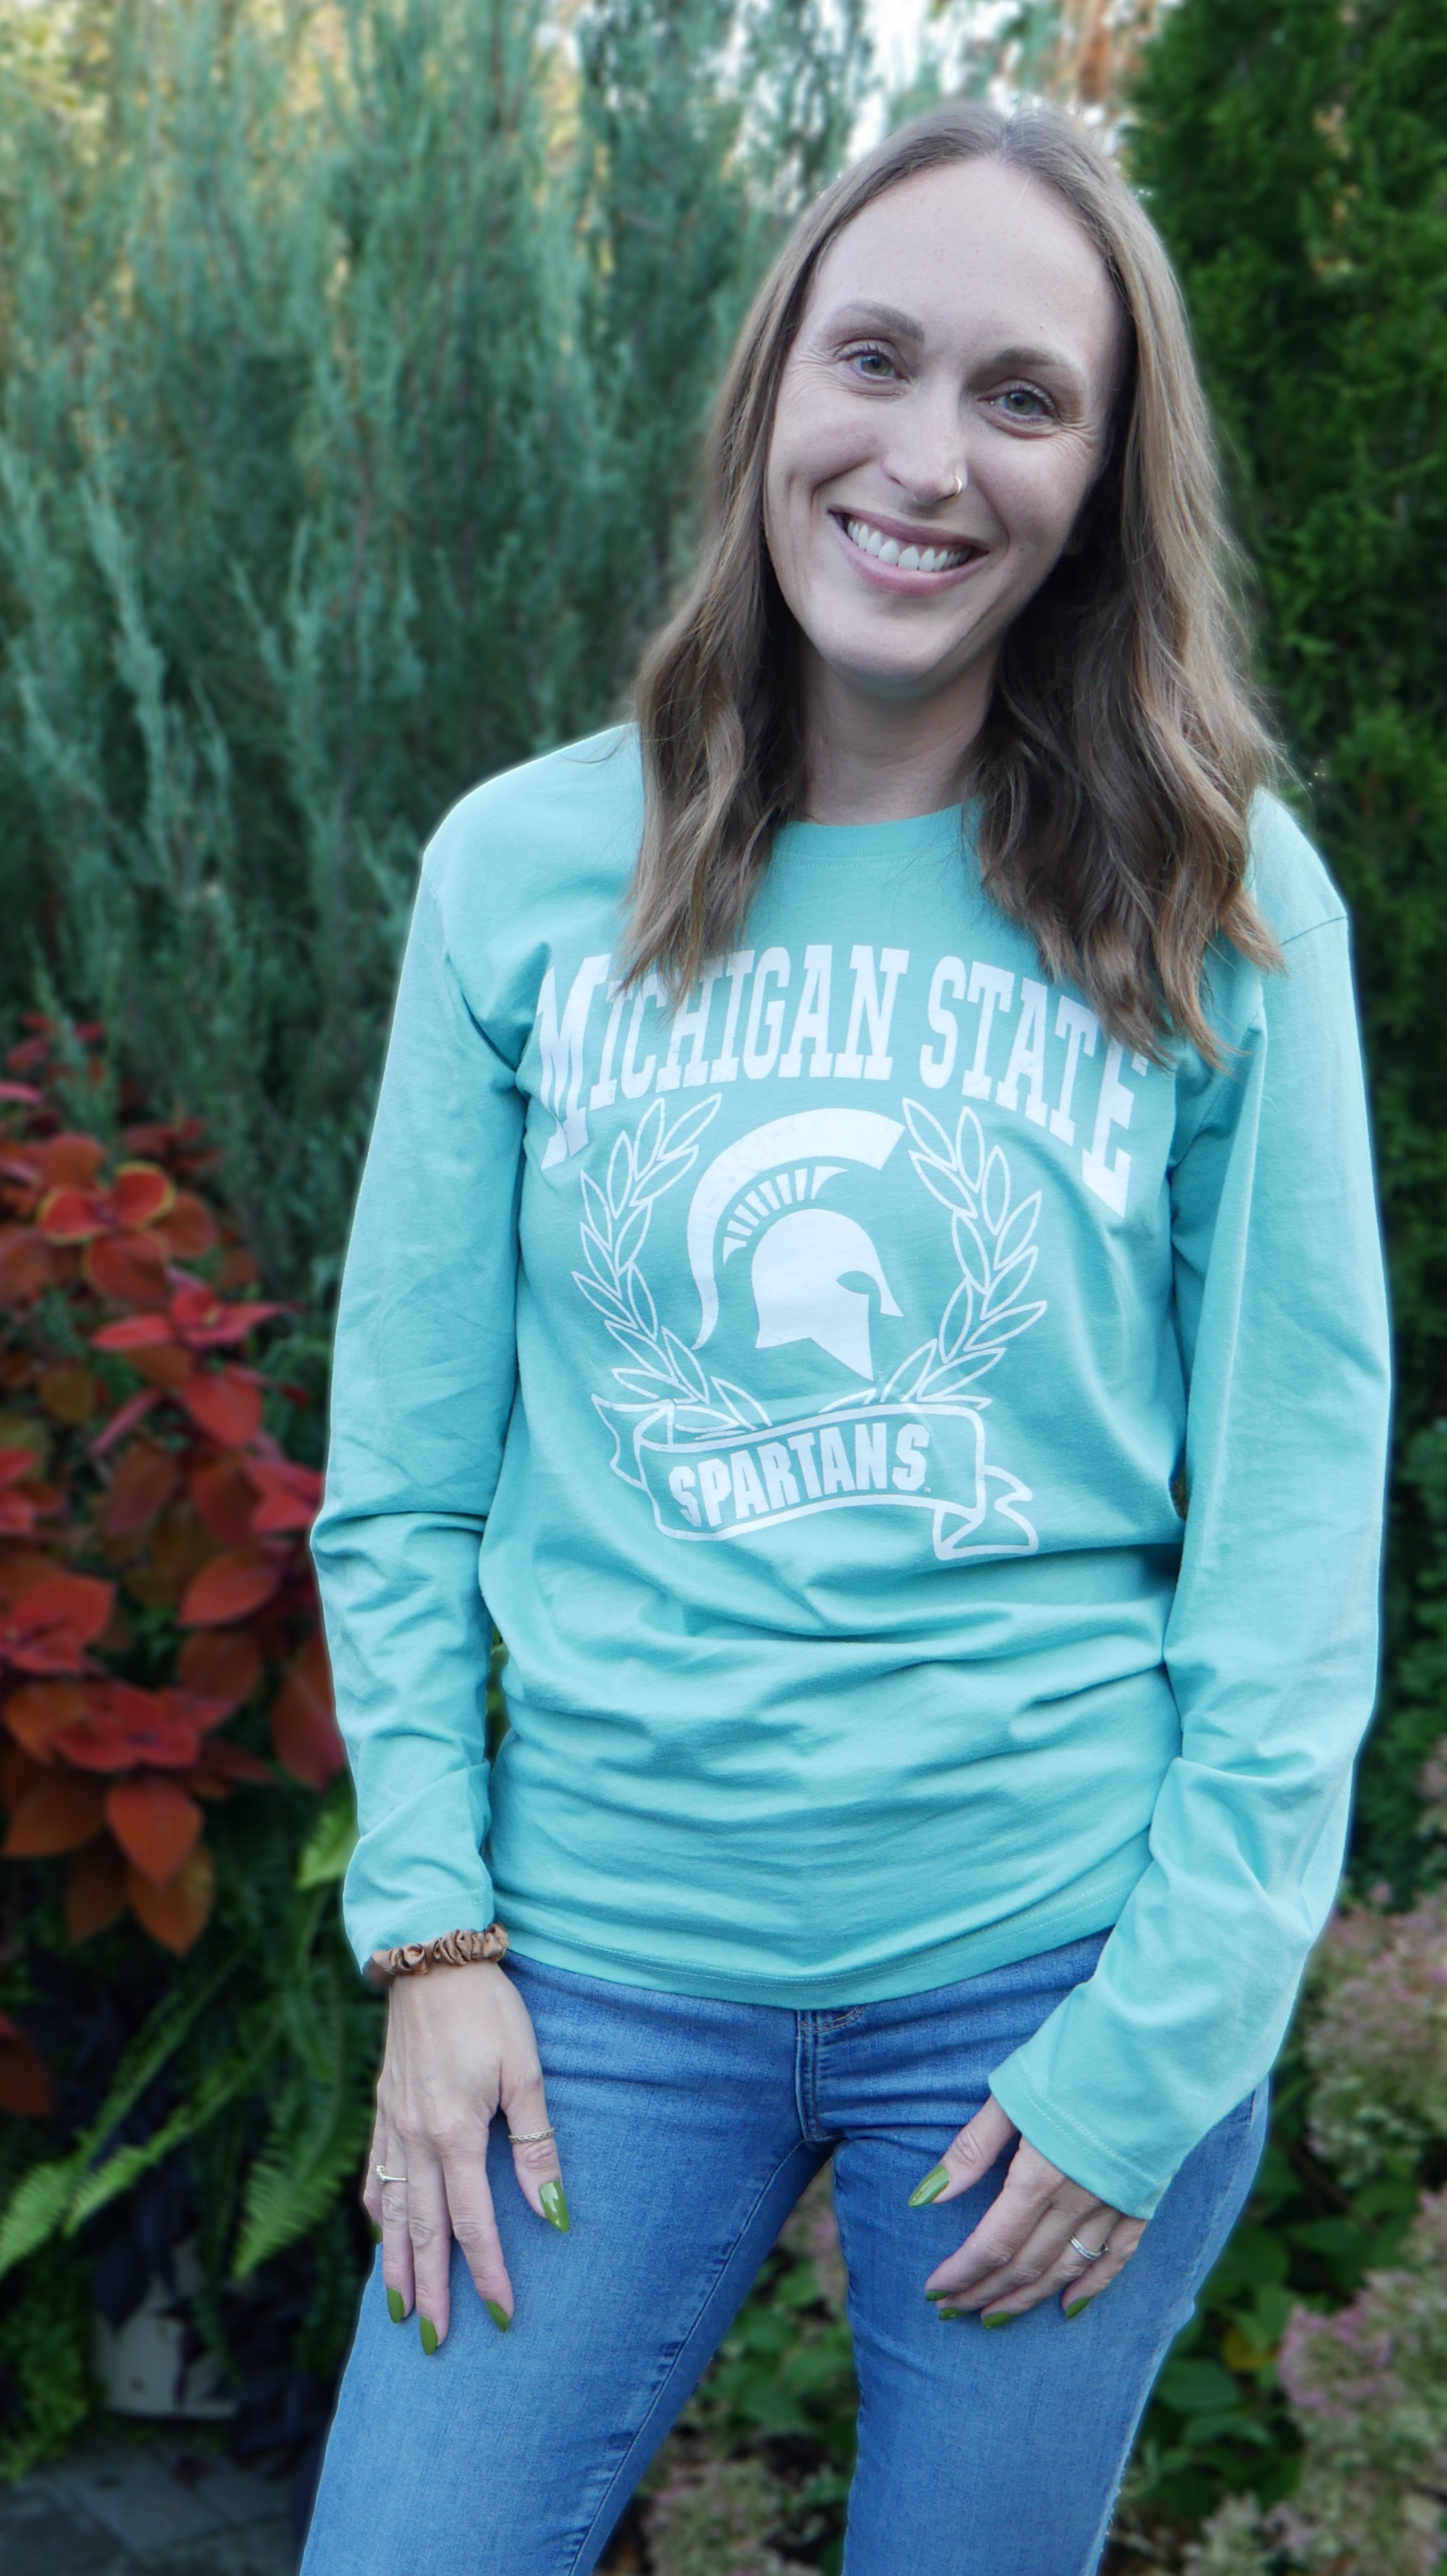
(115, 2508)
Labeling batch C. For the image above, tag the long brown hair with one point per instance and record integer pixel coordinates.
(1113, 778)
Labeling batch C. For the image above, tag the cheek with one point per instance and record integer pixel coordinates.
(815, 439)
(1040, 508)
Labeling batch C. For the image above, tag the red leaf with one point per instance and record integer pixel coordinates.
(290, 1495)
(143, 1483)
(71, 1160)
(141, 1192)
(122, 1726)
(95, 1889)
(134, 1333)
(47, 1629)
(225, 1766)
(37, 1711)
(222, 1664)
(134, 1410)
(71, 1216)
(198, 1708)
(206, 1323)
(19, 1774)
(57, 1815)
(25, 1264)
(155, 1823)
(304, 1734)
(168, 1366)
(176, 1914)
(23, 1092)
(222, 1493)
(131, 1268)
(26, 2086)
(230, 1588)
(190, 1228)
(227, 1404)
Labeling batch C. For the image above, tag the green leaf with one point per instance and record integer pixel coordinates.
(1197, 2387)
(331, 1843)
(36, 2209)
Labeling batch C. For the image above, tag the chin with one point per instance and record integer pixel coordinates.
(867, 664)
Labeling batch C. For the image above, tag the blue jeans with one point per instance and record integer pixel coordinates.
(687, 2131)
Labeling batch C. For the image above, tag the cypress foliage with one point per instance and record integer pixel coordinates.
(351, 368)
(1294, 153)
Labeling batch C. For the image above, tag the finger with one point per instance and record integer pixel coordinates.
(429, 2231)
(1040, 2265)
(470, 2211)
(534, 2147)
(1025, 2201)
(968, 2155)
(371, 2187)
(1124, 2237)
(397, 2271)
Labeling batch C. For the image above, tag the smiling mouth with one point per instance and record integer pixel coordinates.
(907, 555)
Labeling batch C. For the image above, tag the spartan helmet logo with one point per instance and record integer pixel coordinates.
(798, 1273)
(771, 1179)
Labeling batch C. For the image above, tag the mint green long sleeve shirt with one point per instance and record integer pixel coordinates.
(925, 1461)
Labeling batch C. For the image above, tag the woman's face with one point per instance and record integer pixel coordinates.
(964, 328)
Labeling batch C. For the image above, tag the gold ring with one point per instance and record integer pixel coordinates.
(534, 2138)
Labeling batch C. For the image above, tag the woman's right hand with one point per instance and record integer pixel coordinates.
(460, 2047)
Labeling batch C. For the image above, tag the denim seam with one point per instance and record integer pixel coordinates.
(671, 2364)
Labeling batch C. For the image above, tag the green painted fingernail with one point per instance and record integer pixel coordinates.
(555, 2206)
(395, 2308)
(935, 2181)
(499, 2316)
(1001, 2317)
(1076, 2306)
(428, 2332)
(951, 2316)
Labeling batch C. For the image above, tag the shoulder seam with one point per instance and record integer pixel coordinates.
(1328, 921)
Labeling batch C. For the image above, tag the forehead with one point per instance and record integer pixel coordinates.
(976, 252)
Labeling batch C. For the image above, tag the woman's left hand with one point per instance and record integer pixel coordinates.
(1021, 2251)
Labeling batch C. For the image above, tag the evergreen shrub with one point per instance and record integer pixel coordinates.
(1294, 154)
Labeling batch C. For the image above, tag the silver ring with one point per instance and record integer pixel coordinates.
(1088, 2254)
(959, 483)
(383, 2176)
(534, 2138)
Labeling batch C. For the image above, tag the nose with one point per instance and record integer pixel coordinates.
(926, 458)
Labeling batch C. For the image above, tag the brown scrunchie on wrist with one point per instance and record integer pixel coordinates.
(450, 1950)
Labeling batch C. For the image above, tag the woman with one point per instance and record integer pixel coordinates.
(869, 1226)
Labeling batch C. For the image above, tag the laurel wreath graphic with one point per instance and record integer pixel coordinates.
(996, 1251)
(614, 1231)
(993, 1243)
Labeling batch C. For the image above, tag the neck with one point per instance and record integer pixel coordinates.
(871, 759)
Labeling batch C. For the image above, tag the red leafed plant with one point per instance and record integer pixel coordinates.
(154, 1579)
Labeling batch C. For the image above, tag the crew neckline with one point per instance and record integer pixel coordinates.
(836, 844)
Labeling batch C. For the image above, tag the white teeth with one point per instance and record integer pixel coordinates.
(909, 558)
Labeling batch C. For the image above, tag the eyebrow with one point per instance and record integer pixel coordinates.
(881, 317)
